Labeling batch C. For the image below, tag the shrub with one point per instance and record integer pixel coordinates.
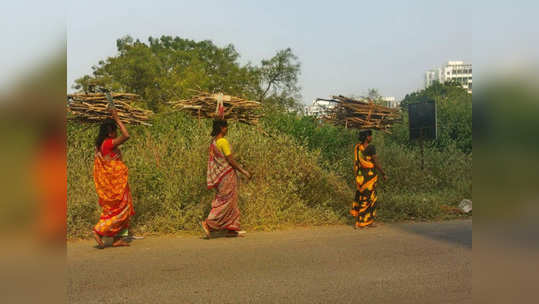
(302, 175)
(167, 164)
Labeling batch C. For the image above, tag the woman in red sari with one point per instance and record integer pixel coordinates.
(221, 176)
(110, 178)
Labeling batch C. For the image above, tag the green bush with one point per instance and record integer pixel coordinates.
(335, 144)
(167, 175)
(454, 116)
(302, 175)
(412, 193)
(409, 193)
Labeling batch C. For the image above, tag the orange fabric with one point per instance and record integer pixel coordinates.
(110, 179)
(365, 223)
(51, 177)
(368, 185)
(360, 159)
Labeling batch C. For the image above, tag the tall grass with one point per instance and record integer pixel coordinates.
(167, 175)
(409, 192)
(302, 175)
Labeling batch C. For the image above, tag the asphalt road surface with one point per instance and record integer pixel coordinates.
(393, 263)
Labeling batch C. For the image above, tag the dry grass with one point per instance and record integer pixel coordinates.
(167, 174)
(301, 176)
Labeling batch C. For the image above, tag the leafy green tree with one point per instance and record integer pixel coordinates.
(278, 79)
(454, 114)
(168, 68)
(434, 91)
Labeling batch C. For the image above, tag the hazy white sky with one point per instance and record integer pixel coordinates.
(32, 32)
(344, 47)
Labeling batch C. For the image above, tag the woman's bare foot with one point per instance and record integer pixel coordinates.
(120, 243)
(232, 233)
(373, 225)
(99, 241)
(206, 228)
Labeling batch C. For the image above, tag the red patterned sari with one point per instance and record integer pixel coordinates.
(224, 214)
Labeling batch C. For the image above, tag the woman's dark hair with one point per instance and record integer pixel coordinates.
(108, 126)
(218, 124)
(364, 134)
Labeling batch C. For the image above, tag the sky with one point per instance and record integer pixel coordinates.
(344, 47)
(32, 33)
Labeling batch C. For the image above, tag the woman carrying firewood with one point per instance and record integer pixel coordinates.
(366, 168)
(221, 176)
(110, 178)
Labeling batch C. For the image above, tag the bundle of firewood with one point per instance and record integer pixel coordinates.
(360, 114)
(205, 105)
(94, 108)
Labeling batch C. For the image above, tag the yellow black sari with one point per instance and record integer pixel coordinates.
(364, 206)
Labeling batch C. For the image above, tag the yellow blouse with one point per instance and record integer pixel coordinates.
(223, 146)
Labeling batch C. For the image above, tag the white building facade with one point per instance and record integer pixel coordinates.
(318, 108)
(452, 71)
(391, 101)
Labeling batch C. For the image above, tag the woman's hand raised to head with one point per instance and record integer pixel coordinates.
(124, 134)
(114, 113)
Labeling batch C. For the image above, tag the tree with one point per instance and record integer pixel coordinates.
(454, 113)
(168, 68)
(375, 96)
(279, 75)
(437, 90)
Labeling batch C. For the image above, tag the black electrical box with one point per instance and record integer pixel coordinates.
(422, 120)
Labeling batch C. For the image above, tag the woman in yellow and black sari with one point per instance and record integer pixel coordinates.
(366, 168)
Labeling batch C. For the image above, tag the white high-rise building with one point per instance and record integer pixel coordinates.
(452, 71)
(391, 101)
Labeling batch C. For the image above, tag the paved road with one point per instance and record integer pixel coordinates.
(394, 263)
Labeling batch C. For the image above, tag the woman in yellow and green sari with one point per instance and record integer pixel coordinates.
(366, 168)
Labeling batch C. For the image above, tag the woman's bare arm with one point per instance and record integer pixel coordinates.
(235, 165)
(124, 134)
(378, 167)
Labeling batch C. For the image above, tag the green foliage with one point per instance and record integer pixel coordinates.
(302, 175)
(333, 143)
(167, 175)
(302, 172)
(280, 74)
(171, 67)
(409, 193)
(412, 193)
(454, 116)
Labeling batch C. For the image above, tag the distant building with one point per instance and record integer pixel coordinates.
(391, 102)
(318, 108)
(452, 71)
